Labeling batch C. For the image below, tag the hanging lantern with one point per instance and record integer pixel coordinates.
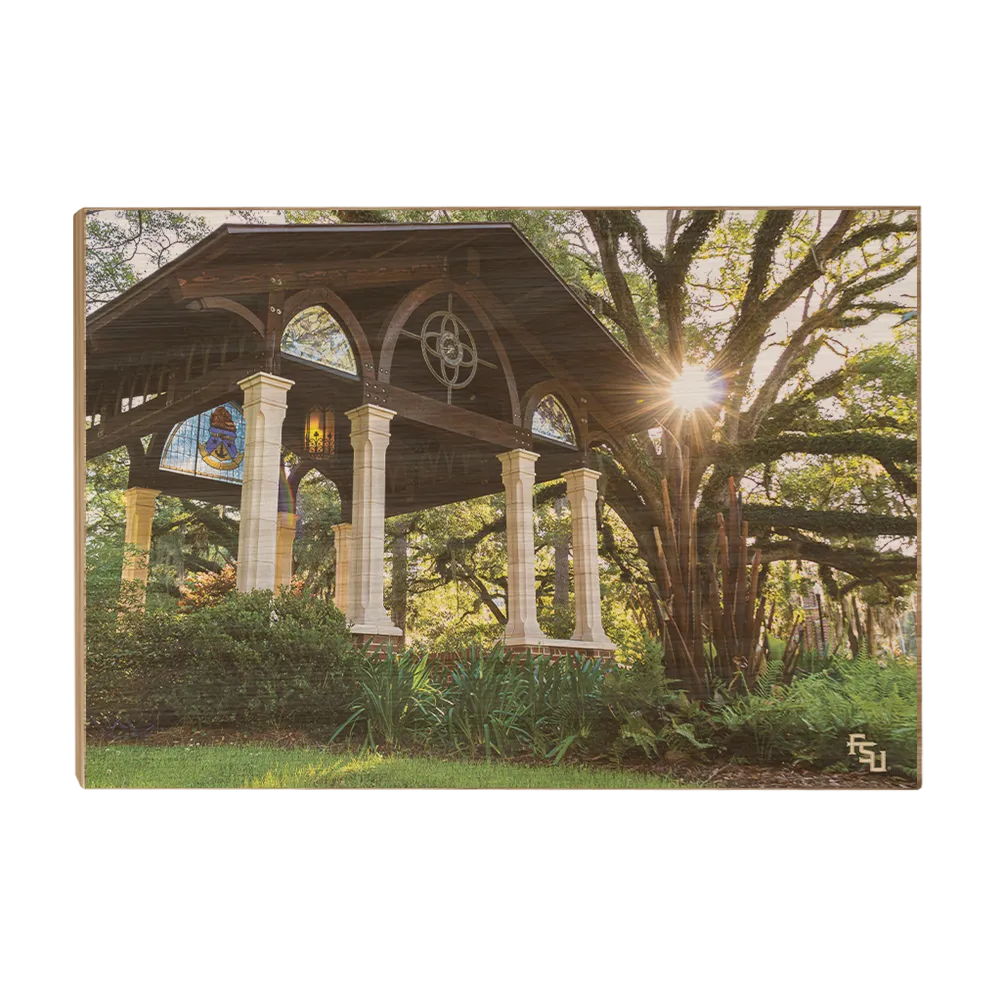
(319, 431)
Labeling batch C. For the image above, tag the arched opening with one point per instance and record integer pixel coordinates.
(449, 348)
(209, 445)
(551, 421)
(313, 335)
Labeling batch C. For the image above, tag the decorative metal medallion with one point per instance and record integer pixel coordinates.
(219, 449)
(449, 348)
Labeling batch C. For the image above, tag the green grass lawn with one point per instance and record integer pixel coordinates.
(258, 766)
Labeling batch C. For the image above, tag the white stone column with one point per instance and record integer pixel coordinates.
(342, 547)
(284, 542)
(366, 577)
(264, 404)
(581, 487)
(140, 506)
(522, 616)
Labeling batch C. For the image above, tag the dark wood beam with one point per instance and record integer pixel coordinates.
(275, 323)
(220, 302)
(349, 274)
(217, 385)
(442, 416)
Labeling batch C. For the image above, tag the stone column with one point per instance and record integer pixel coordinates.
(264, 407)
(140, 506)
(581, 487)
(522, 617)
(365, 602)
(284, 541)
(342, 547)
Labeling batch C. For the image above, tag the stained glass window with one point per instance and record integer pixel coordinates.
(553, 422)
(209, 445)
(314, 335)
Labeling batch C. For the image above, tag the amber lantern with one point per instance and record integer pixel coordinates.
(319, 431)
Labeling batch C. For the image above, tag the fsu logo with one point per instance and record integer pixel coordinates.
(219, 448)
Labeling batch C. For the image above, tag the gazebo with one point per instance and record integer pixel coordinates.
(400, 361)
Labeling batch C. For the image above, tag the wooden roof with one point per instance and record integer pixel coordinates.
(179, 341)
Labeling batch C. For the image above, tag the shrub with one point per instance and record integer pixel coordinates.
(133, 660)
(264, 660)
(252, 660)
(205, 590)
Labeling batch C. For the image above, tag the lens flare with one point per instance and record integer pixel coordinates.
(696, 388)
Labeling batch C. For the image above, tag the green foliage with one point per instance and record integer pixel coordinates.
(250, 660)
(485, 703)
(394, 699)
(569, 693)
(132, 663)
(809, 721)
(319, 509)
(652, 717)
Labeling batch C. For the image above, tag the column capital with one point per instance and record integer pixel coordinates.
(580, 477)
(265, 380)
(138, 494)
(518, 460)
(369, 412)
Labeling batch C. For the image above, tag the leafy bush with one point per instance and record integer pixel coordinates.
(133, 661)
(253, 659)
(205, 590)
(264, 660)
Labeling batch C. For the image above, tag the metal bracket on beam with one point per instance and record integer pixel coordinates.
(376, 393)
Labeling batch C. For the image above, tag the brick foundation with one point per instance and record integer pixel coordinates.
(440, 662)
(379, 644)
(606, 656)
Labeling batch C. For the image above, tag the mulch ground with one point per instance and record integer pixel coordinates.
(717, 774)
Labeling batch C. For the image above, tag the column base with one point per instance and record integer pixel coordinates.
(526, 639)
(378, 628)
(601, 642)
